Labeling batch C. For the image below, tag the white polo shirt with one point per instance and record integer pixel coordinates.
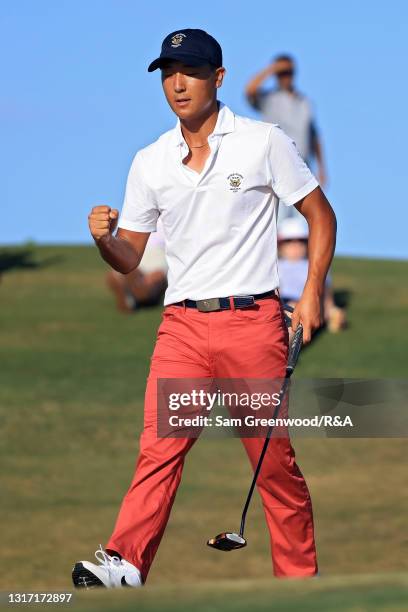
(220, 224)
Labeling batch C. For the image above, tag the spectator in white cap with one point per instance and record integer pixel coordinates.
(293, 269)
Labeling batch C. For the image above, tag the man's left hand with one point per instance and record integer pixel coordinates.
(308, 312)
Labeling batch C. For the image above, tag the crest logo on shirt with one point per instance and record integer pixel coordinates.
(235, 181)
(177, 39)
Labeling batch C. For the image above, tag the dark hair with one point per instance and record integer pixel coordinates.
(284, 57)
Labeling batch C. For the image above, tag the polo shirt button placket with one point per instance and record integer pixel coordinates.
(213, 142)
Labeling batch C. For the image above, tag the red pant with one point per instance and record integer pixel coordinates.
(242, 343)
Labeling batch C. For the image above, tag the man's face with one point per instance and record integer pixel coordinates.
(285, 74)
(190, 90)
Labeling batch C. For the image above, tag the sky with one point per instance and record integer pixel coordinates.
(77, 103)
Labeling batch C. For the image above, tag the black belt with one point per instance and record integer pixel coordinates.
(223, 303)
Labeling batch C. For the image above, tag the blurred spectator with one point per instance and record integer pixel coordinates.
(291, 110)
(146, 285)
(293, 268)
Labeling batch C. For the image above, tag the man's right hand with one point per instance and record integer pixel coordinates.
(102, 221)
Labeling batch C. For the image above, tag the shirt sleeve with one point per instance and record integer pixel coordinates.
(256, 99)
(290, 177)
(139, 211)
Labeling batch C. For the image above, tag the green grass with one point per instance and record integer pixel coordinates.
(334, 594)
(71, 398)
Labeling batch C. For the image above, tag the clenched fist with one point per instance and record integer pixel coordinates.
(102, 220)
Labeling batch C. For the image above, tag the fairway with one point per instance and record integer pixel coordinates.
(334, 594)
(71, 397)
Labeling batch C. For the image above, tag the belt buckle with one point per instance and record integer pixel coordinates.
(208, 305)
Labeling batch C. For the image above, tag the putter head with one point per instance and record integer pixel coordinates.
(227, 541)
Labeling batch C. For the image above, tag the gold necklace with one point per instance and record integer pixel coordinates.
(197, 146)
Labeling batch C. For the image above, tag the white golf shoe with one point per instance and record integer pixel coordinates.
(111, 573)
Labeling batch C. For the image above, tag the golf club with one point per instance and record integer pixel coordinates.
(230, 540)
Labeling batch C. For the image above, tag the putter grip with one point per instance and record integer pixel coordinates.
(294, 349)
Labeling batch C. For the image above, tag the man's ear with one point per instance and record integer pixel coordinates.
(219, 76)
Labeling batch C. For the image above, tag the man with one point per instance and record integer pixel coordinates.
(214, 180)
(289, 109)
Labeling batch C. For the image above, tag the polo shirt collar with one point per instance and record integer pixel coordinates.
(225, 124)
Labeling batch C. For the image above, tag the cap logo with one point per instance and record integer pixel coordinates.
(235, 181)
(177, 39)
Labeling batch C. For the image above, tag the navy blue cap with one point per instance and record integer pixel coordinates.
(191, 47)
